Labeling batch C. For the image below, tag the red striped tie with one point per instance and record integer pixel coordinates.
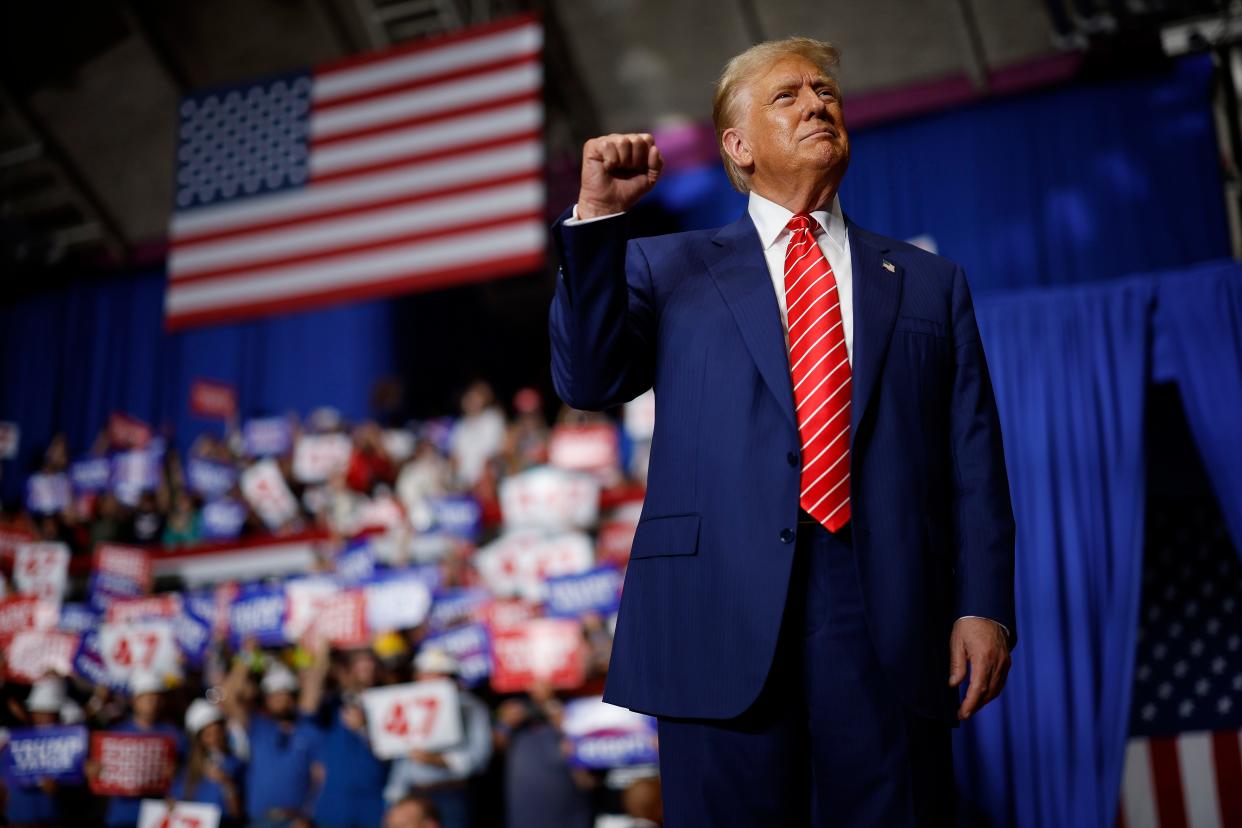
(820, 368)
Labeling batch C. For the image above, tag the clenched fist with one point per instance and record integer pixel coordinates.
(617, 170)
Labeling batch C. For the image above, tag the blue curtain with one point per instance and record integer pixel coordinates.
(1198, 344)
(1069, 367)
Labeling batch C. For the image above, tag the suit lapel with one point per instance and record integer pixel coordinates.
(877, 295)
(736, 263)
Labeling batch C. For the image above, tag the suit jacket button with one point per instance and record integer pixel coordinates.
(792, 457)
(787, 536)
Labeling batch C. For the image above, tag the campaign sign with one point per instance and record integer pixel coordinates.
(193, 635)
(77, 618)
(258, 612)
(47, 494)
(551, 498)
(267, 437)
(120, 572)
(507, 613)
(304, 597)
(341, 619)
(423, 715)
(397, 601)
(519, 563)
(541, 649)
(32, 654)
(459, 516)
(132, 764)
(223, 519)
(469, 644)
(592, 448)
(39, 753)
(209, 478)
(319, 456)
(145, 645)
(455, 606)
(160, 813)
(356, 562)
(41, 569)
(10, 439)
(26, 612)
(10, 539)
(128, 431)
(94, 474)
(605, 736)
(137, 471)
(213, 399)
(267, 493)
(572, 596)
(125, 610)
(88, 662)
(612, 544)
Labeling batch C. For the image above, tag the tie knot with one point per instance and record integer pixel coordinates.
(802, 222)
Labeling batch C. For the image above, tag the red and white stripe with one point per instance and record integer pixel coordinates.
(425, 170)
(820, 371)
(1192, 780)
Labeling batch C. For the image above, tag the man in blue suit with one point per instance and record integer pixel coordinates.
(801, 644)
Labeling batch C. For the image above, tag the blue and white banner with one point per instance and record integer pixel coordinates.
(137, 471)
(572, 596)
(193, 636)
(469, 644)
(89, 663)
(459, 515)
(78, 618)
(94, 474)
(209, 478)
(397, 599)
(454, 606)
(605, 736)
(355, 563)
(57, 753)
(223, 519)
(267, 437)
(258, 612)
(47, 494)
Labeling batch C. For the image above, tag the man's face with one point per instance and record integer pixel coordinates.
(792, 125)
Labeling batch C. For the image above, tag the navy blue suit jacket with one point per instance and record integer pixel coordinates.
(694, 315)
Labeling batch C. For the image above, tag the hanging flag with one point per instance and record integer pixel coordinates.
(404, 170)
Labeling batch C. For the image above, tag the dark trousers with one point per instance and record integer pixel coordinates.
(826, 743)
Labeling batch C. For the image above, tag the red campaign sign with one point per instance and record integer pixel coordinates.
(32, 654)
(10, 539)
(25, 612)
(128, 431)
(507, 613)
(129, 563)
(126, 610)
(132, 764)
(341, 618)
(614, 541)
(589, 448)
(544, 649)
(213, 399)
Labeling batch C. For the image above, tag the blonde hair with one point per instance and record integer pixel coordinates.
(726, 106)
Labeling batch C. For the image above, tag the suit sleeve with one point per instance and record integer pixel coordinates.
(602, 320)
(982, 513)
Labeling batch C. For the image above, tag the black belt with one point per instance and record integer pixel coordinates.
(845, 533)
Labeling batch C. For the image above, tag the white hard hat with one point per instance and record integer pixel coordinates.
(436, 660)
(46, 696)
(145, 681)
(201, 713)
(279, 679)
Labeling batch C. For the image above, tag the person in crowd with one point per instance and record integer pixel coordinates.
(413, 812)
(479, 434)
(146, 692)
(369, 463)
(541, 790)
(212, 774)
(526, 441)
(49, 803)
(282, 741)
(425, 475)
(184, 526)
(443, 776)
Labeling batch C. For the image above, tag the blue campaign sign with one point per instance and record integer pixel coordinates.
(193, 635)
(614, 748)
(47, 494)
(469, 644)
(571, 596)
(57, 753)
(258, 612)
(454, 606)
(267, 437)
(89, 664)
(77, 617)
(209, 478)
(223, 519)
(92, 474)
(459, 515)
(355, 564)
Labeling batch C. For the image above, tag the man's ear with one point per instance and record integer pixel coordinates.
(734, 144)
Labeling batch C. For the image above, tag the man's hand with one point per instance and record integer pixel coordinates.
(982, 643)
(617, 170)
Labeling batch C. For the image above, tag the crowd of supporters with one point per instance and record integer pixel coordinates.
(275, 733)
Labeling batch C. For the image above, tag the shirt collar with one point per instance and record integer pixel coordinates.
(770, 219)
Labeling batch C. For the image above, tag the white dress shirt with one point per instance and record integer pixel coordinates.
(770, 219)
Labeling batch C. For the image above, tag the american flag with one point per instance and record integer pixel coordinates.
(405, 170)
(1183, 762)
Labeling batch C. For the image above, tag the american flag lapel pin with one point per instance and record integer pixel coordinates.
(889, 266)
